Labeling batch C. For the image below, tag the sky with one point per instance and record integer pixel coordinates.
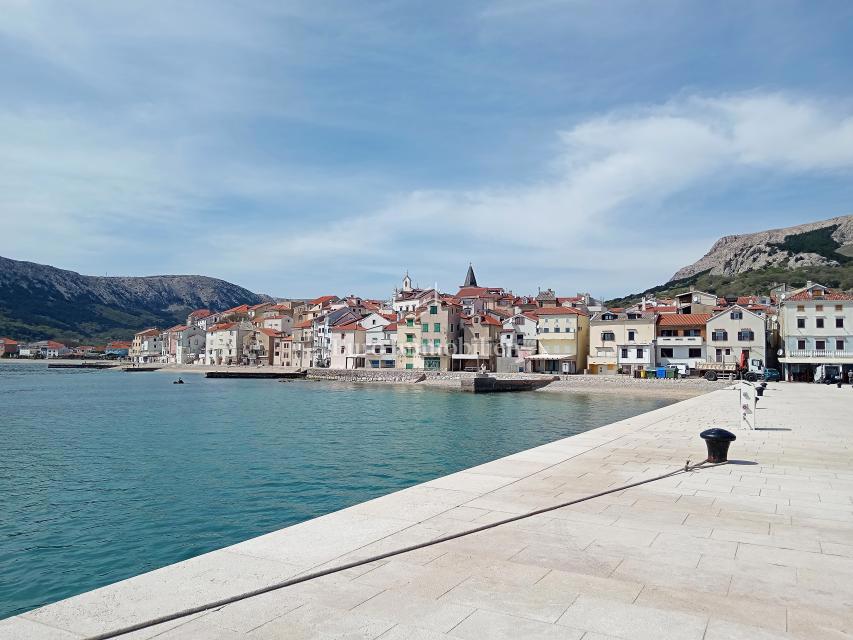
(321, 147)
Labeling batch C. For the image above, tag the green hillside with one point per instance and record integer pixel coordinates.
(749, 283)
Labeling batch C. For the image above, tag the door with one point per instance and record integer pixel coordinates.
(719, 355)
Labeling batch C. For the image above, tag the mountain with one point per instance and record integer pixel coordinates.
(756, 262)
(38, 302)
(825, 243)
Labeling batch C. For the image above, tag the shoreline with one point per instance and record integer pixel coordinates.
(619, 385)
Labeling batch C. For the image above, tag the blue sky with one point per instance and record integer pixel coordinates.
(301, 148)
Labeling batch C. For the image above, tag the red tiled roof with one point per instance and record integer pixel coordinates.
(8, 341)
(119, 345)
(305, 324)
(177, 327)
(322, 300)
(201, 313)
(683, 319)
(268, 332)
(559, 311)
(52, 344)
(830, 294)
(531, 315)
(390, 327)
(258, 306)
(148, 332)
(471, 292)
(243, 308)
(352, 326)
(222, 326)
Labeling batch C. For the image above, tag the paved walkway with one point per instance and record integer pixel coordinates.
(760, 549)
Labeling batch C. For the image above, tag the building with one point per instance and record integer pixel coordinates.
(816, 328)
(227, 343)
(428, 337)
(302, 344)
(183, 344)
(695, 302)
(681, 340)
(43, 349)
(562, 336)
(518, 341)
(147, 346)
(117, 349)
(322, 333)
(8, 347)
(380, 340)
(736, 335)
(282, 350)
(347, 346)
(479, 343)
(621, 342)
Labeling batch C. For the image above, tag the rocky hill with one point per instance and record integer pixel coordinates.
(38, 301)
(826, 243)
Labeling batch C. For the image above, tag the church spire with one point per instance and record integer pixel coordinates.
(470, 278)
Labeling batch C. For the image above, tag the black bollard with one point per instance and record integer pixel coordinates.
(759, 391)
(717, 440)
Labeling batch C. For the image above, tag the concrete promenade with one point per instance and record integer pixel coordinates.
(758, 549)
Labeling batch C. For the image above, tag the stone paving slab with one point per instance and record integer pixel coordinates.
(761, 548)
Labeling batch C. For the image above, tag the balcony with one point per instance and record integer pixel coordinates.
(818, 356)
(680, 341)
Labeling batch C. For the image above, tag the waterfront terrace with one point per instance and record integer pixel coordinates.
(759, 549)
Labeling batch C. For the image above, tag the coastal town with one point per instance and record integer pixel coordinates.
(803, 333)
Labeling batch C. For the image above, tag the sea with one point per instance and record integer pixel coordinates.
(105, 474)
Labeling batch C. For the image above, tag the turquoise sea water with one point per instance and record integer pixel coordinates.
(105, 474)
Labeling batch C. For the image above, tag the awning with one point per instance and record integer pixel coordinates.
(545, 356)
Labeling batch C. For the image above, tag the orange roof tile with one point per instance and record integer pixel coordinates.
(559, 311)
(683, 319)
(322, 300)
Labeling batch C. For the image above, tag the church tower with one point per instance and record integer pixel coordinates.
(470, 278)
(407, 283)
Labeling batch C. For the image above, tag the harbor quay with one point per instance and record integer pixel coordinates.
(759, 548)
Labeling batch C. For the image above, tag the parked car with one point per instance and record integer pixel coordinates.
(772, 375)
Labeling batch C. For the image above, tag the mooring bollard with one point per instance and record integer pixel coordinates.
(717, 440)
(759, 391)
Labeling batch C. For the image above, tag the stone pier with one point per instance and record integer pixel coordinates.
(759, 549)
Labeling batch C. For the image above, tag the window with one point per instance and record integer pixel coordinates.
(694, 353)
(436, 327)
(818, 307)
(410, 337)
(666, 353)
(410, 322)
(410, 351)
(801, 323)
(639, 353)
(746, 335)
(389, 350)
(838, 307)
(476, 334)
(433, 310)
(820, 345)
(801, 344)
(343, 350)
(801, 307)
(668, 333)
(719, 335)
(436, 343)
(544, 329)
(839, 345)
(608, 336)
(736, 315)
(625, 353)
(632, 335)
(409, 365)
(839, 323)
(424, 342)
(819, 323)
(556, 329)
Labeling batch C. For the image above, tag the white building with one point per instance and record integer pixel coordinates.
(380, 340)
(225, 343)
(736, 335)
(816, 328)
(517, 343)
